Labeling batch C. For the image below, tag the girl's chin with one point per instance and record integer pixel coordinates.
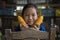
(30, 23)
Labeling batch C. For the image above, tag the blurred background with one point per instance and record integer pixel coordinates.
(10, 9)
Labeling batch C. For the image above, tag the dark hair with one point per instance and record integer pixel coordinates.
(27, 6)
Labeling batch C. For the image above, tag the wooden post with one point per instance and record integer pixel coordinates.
(53, 34)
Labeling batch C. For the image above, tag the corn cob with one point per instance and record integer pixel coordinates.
(38, 21)
(21, 21)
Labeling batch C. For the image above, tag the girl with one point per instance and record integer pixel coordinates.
(30, 15)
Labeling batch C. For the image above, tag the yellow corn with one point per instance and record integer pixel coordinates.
(21, 20)
(38, 21)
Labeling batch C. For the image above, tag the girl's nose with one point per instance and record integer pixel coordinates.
(30, 17)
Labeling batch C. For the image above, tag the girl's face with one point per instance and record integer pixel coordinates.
(30, 15)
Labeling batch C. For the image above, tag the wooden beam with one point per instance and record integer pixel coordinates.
(36, 4)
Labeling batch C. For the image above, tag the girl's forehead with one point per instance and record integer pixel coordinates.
(31, 9)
